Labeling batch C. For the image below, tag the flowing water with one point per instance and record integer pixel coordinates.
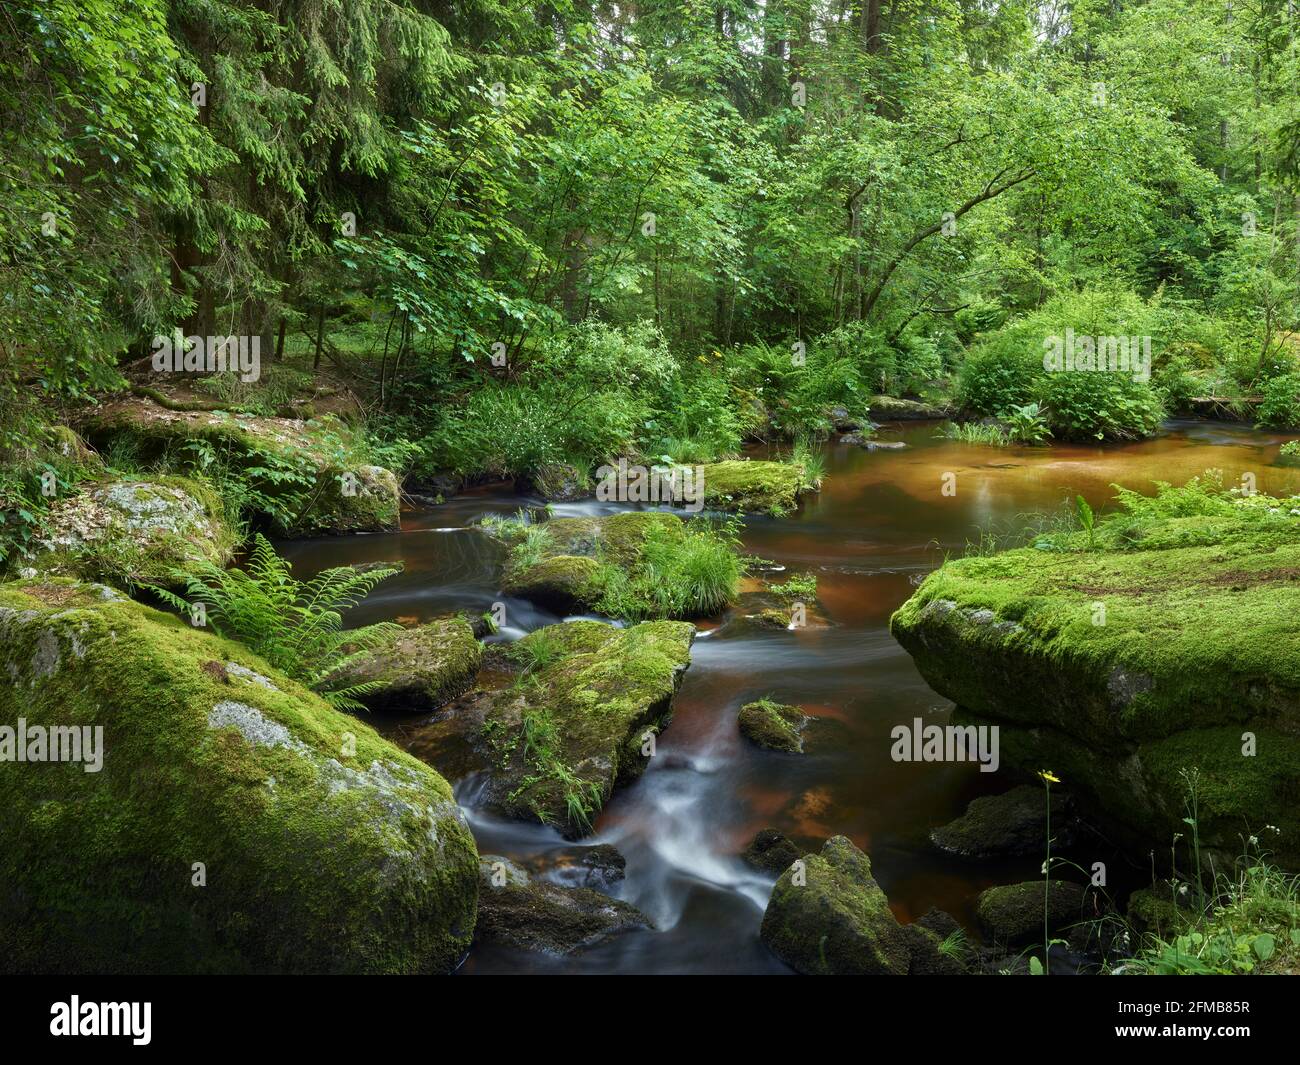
(878, 526)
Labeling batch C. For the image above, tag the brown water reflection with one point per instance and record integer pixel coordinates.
(880, 523)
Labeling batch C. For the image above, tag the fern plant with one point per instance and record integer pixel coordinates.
(297, 626)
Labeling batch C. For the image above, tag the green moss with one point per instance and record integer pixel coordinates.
(125, 531)
(562, 740)
(418, 668)
(837, 921)
(631, 565)
(1013, 915)
(1128, 665)
(326, 849)
(773, 726)
(754, 486)
(314, 475)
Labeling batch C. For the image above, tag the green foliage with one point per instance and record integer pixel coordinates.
(1026, 424)
(295, 625)
(694, 575)
(1096, 405)
(976, 433)
(1280, 408)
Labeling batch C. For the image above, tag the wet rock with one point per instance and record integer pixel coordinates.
(844, 421)
(1010, 825)
(884, 445)
(599, 867)
(553, 745)
(773, 726)
(418, 668)
(563, 583)
(828, 916)
(892, 409)
(236, 823)
(1012, 915)
(134, 531)
(561, 482)
(526, 913)
(771, 852)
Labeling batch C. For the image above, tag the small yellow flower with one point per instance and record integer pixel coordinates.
(1049, 776)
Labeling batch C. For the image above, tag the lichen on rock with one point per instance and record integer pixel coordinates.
(126, 531)
(238, 823)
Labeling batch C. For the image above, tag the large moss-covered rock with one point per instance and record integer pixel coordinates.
(524, 912)
(132, 530)
(556, 742)
(563, 583)
(237, 823)
(1013, 915)
(318, 474)
(1136, 675)
(751, 486)
(1008, 825)
(828, 916)
(418, 668)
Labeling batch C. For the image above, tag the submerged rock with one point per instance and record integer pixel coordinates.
(236, 822)
(771, 852)
(1135, 675)
(133, 531)
(520, 911)
(599, 866)
(774, 726)
(418, 668)
(321, 479)
(1012, 824)
(578, 721)
(1012, 915)
(828, 916)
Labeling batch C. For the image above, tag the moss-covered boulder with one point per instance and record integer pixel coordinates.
(1013, 824)
(563, 583)
(751, 486)
(1136, 675)
(573, 564)
(526, 913)
(236, 822)
(314, 473)
(1161, 912)
(773, 726)
(132, 530)
(1012, 915)
(419, 668)
(577, 721)
(828, 916)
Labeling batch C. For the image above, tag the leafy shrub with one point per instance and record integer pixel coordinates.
(1004, 371)
(1085, 404)
(1280, 408)
(297, 626)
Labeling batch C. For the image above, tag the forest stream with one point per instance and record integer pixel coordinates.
(879, 525)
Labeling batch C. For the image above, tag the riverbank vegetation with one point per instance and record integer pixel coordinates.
(521, 235)
(282, 269)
